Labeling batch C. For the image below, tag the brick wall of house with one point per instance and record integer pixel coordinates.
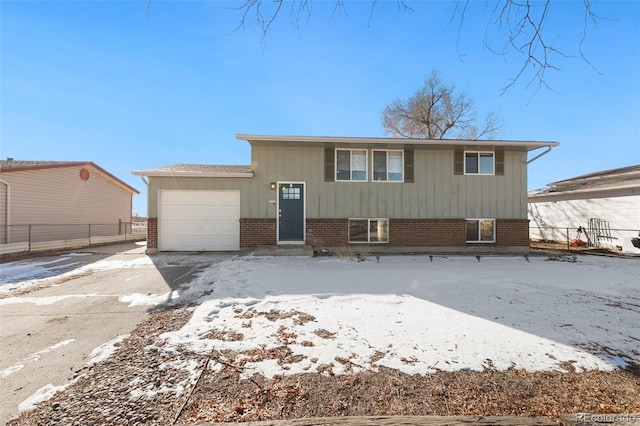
(419, 233)
(426, 232)
(257, 232)
(327, 232)
(402, 232)
(152, 233)
(512, 232)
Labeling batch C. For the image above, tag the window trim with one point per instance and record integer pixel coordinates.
(387, 151)
(478, 153)
(368, 219)
(479, 240)
(366, 165)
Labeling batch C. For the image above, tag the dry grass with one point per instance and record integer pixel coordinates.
(225, 397)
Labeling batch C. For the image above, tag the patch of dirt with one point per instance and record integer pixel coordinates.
(224, 335)
(562, 246)
(142, 383)
(226, 397)
(299, 317)
(321, 332)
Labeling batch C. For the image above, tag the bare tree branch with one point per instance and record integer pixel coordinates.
(520, 24)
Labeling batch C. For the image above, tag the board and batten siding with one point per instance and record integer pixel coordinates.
(436, 192)
(60, 196)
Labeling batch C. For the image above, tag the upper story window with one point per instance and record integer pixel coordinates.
(479, 163)
(388, 165)
(351, 164)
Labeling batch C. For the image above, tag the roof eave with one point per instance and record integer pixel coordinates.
(585, 191)
(529, 145)
(192, 174)
(66, 164)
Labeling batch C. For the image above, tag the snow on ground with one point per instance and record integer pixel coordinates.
(21, 274)
(416, 315)
(28, 273)
(6, 372)
(105, 350)
(419, 314)
(43, 394)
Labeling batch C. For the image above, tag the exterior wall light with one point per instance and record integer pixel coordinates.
(273, 185)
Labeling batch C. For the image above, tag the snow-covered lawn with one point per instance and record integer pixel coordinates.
(279, 315)
(419, 315)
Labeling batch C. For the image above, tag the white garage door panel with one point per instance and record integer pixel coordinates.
(199, 220)
(222, 228)
(202, 213)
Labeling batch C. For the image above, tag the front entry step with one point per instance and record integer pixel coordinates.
(285, 250)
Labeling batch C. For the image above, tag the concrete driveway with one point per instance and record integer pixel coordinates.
(80, 305)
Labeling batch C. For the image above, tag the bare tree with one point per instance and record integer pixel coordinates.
(519, 27)
(435, 111)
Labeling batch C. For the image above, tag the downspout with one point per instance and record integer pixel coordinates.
(7, 212)
(549, 148)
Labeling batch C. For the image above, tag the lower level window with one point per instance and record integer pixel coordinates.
(368, 230)
(481, 230)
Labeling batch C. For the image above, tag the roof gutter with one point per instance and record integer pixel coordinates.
(549, 148)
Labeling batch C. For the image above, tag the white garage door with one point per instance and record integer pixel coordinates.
(199, 220)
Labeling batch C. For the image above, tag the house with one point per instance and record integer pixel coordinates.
(606, 204)
(392, 194)
(54, 193)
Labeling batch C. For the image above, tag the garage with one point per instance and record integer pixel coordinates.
(199, 220)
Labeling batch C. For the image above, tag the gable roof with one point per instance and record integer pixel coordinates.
(10, 165)
(331, 141)
(197, 170)
(611, 180)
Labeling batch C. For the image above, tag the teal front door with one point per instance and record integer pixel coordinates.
(290, 212)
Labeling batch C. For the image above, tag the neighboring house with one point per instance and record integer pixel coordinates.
(393, 194)
(609, 199)
(60, 192)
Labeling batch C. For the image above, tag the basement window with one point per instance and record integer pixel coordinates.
(368, 230)
(481, 230)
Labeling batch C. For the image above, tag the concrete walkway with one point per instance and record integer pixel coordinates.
(47, 335)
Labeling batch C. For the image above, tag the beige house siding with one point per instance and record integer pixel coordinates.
(436, 192)
(58, 195)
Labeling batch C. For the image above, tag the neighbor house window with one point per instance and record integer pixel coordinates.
(351, 164)
(481, 230)
(368, 230)
(478, 163)
(388, 165)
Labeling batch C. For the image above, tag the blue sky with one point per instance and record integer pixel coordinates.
(129, 87)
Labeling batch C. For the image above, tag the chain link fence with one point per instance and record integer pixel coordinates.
(42, 237)
(579, 238)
